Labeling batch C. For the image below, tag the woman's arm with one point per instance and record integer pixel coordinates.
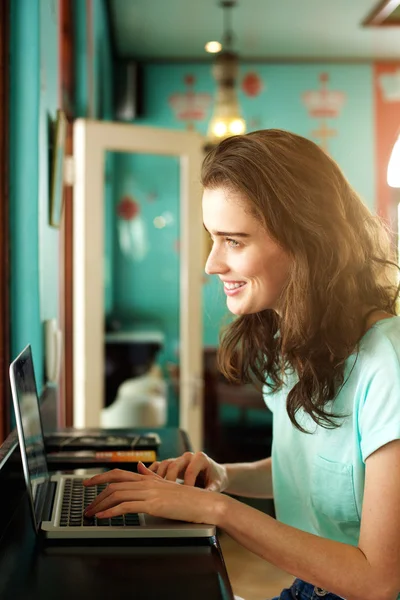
(370, 571)
(253, 480)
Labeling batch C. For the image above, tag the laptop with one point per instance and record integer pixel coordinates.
(58, 501)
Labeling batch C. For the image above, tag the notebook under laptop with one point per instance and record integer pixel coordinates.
(58, 501)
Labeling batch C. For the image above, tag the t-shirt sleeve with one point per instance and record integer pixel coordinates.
(379, 401)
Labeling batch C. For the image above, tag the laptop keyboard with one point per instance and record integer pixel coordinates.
(77, 497)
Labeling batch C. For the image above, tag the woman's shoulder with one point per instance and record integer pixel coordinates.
(388, 327)
(381, 342)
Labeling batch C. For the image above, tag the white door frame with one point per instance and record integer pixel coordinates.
(92, 139)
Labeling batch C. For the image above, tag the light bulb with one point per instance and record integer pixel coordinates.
(237, 127)
(213, 47)
(219, 129)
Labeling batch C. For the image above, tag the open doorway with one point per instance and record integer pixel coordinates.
(92, 141)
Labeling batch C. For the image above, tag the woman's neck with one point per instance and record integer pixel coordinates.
(373, 315)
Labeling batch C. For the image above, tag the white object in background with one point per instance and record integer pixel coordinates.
(393, 172)
(52, 350)
(140, 402)
(132, 238)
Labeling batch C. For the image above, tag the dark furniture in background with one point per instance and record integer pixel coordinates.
(245, 439)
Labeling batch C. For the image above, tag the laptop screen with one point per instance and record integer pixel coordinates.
(29, 425)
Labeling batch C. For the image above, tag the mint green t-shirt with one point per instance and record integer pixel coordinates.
(318, 478)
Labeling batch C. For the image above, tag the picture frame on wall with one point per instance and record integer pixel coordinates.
(59, 135)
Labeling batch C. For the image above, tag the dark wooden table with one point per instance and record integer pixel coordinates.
(32, 568)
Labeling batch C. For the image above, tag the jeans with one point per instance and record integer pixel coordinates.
(300, 590)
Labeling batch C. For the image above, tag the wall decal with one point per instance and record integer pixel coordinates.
(132, 234)
(323, 104)
(127, 208)
(190, 106)
(252, 84)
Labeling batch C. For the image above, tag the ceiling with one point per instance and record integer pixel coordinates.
(267, 30)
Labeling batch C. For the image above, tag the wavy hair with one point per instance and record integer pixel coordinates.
(341, 265)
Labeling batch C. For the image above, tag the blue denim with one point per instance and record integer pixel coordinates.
(300, 590)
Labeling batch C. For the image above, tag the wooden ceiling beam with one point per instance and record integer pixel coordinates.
(378, 17)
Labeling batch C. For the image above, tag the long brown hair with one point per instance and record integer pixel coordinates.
(341, 265)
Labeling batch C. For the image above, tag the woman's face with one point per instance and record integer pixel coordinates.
(252, 267)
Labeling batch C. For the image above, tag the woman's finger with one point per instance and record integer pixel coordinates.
(119, 497)
(124, 508)
(143, 470)
(112, 476)
(163, 466)
(177, 468)
(91, 508)
(154, 466)
(111, 489)
(198, 465)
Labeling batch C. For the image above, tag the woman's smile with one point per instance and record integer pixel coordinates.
(232, 288)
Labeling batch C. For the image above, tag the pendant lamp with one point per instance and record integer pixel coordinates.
(227, 119)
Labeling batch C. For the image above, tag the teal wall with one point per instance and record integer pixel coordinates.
(146, 258)
(25, 163)
(34, 74)
(278, 105)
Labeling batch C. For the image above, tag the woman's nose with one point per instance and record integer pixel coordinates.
(215, 265)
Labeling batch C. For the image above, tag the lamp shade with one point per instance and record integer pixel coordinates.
(393, 172)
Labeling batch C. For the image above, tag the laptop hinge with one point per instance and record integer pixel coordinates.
(49, 501)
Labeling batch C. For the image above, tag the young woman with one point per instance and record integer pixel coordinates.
(306, 269)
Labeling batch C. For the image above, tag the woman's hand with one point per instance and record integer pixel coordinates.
(128, 492)
(192, 468)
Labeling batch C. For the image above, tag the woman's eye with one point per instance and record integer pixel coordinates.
(232, 243)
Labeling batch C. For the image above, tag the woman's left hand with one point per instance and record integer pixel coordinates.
(133, 493)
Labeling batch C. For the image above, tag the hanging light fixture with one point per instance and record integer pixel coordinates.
(226, 119)
(393, 172)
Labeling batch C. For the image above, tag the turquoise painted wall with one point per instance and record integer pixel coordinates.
(34, 72)
(25, 161)
(146, 263)
(278, 105)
